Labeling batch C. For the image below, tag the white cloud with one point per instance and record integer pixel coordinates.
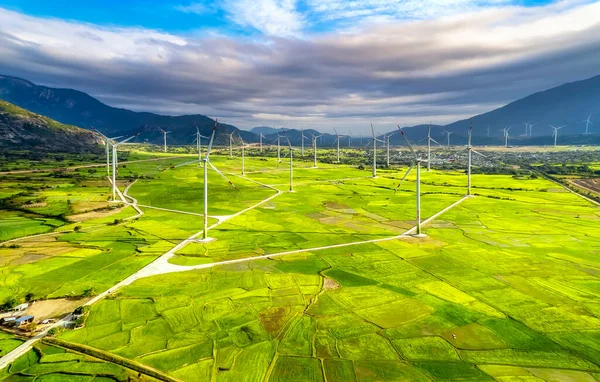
(406, 72)
(271, 17)
(196, 8)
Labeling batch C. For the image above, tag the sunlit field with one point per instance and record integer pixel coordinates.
(503, 287)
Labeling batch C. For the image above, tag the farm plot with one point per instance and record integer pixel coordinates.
(320, 214)
(500, 288)
(48, 363)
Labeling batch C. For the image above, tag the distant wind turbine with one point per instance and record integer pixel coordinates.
(375, 140)
(506, 135)
(164, 138)
(588, 122)
(447, 133)
(387, 148)
(555, 132)
(206, 164)
(314, 144)
(114, 164)
(107, 143)
(417, 163)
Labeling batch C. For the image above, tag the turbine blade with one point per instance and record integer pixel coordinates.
(222, 175)
(408, 143)
(404, 177)
(210, 143)
(372, 130)
(478, 153)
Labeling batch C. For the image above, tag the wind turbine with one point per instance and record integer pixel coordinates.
(114, 164)
(587, 124)
(374, 151)
(488, 130)
(506, 135)
(206, 164)
(417, 164)
(291, 162)
(470, 152)
(243, 157)
(387, 147)
(531, 129)
(555, 132)
(302, 137)
(164, 138)
(526, 129)
(198, 142)
(337, 140)
(231, 144)
(447, 133)
(314, 144)
(107, 143)
(278, 148)
(429, 140)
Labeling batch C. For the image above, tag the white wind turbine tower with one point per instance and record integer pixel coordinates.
(417, 163)
(429, 140)
(488, 130)
(470, 158)
(114, 164)
(107, 143)
(164, 138)
(526, 129)
(588, 122)
(206, 164)
(231, 144)
(243, 156)
(531, 129)
(375, 140)
(291, 162)
(447, 133)
(314, 144)
(506, 135)
(278, 148)
(337, 140)
(387, 148)
(555, 132)
(302, 137)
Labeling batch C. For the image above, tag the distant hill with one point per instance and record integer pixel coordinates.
(80, 109)
(569, 104)
(22, 129)
(265, 130)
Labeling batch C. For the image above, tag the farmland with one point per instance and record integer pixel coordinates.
(504, 286)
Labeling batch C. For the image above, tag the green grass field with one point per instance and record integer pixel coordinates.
(504, 287)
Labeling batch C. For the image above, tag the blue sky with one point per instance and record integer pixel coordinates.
(314, 63)
(192, 16)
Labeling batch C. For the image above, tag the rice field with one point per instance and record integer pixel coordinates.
(503, 287)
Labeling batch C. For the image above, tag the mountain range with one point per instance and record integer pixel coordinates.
(569, 104)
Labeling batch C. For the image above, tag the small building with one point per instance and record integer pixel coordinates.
(24, 320)
(7, 320)
(21, 307)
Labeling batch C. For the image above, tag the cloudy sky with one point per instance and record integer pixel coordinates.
(311, 63)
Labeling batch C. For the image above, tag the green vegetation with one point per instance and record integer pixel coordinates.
(505, 285)
(49, 363)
